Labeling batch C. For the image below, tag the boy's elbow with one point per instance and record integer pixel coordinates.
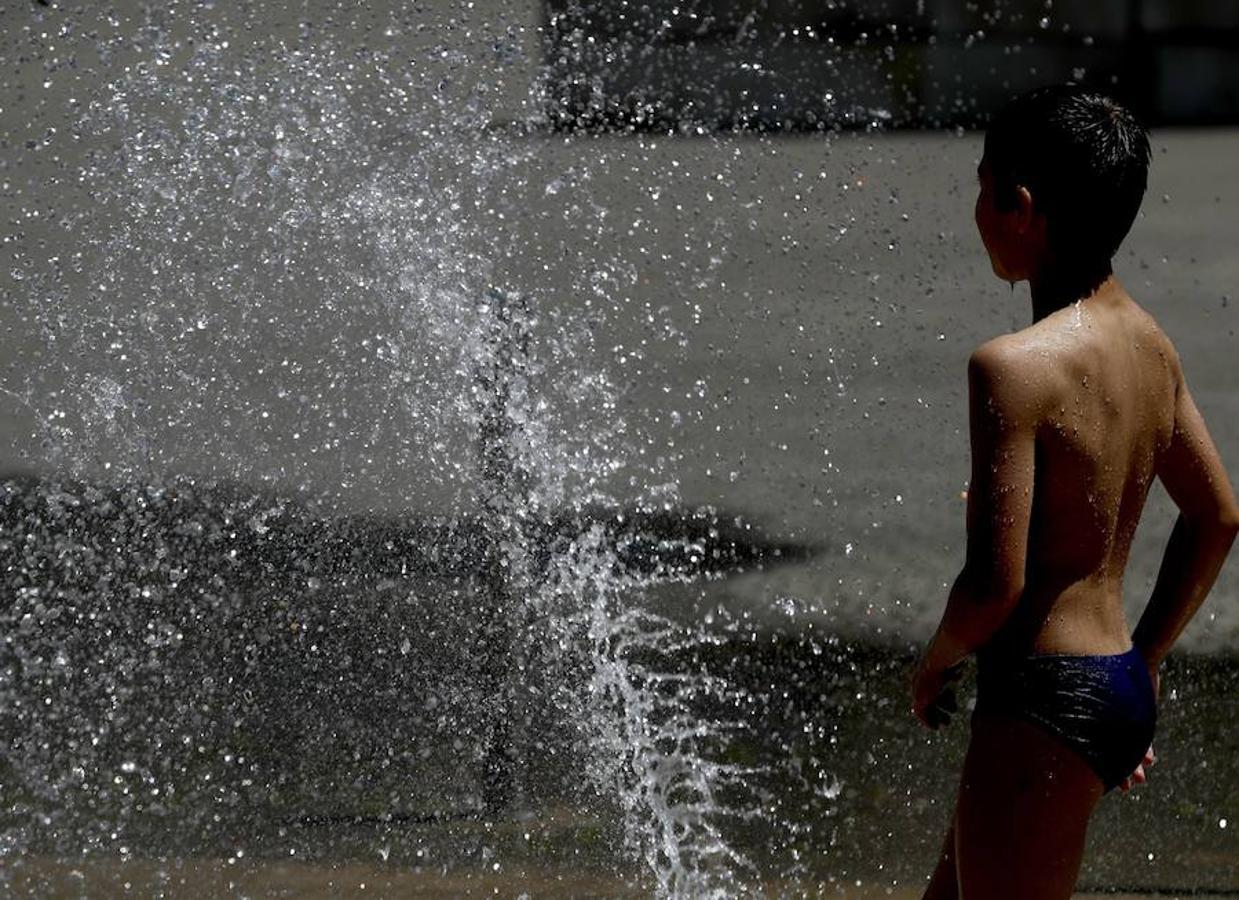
(1230, 516)
(1223, 519)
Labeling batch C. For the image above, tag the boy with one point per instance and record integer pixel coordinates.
(1071, 419)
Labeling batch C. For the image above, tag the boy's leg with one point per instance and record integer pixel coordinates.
(942, 885)
(1024, 804)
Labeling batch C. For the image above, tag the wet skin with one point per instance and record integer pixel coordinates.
(1077, 409)
(1071, 419)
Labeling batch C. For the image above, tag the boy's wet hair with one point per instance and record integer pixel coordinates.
(1084, 159)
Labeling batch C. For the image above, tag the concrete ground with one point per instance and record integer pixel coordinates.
(206, 879)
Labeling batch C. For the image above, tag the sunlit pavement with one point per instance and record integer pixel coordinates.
(797, 354)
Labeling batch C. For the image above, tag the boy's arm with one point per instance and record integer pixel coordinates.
(1002, 424)
(1195, 478)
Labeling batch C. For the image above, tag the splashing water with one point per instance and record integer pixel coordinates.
(247, 214)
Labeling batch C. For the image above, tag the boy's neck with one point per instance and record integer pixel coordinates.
(1056, 287)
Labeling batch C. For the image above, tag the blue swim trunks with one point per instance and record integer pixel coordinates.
(1102, 707)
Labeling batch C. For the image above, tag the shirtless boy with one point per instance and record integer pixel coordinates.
(1071, 419)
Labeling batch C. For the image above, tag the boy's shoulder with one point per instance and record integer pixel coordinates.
(1042, 359)
(1020, 355)
(1157, 338)
(1007, 373)
(999, 352)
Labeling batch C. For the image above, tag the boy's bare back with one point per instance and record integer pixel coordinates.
(1092, 390)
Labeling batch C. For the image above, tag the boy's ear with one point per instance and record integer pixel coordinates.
(1025, 210)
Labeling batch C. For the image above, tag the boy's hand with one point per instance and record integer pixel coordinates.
(933, 700)
(1139, 776)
